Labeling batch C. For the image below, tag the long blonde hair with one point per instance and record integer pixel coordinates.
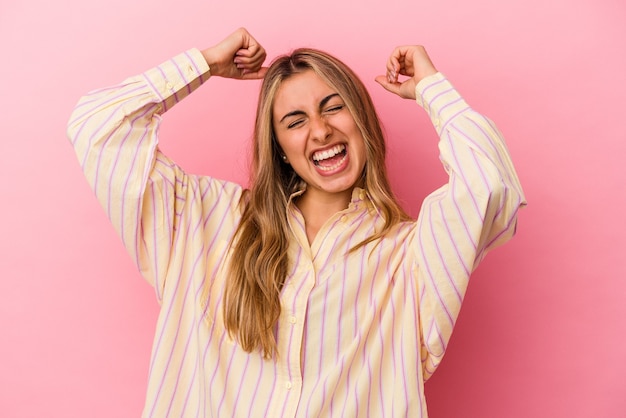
(258, 267)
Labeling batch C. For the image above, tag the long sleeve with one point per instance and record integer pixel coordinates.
(470, 215)
(114, 134)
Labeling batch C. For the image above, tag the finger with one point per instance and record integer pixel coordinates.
(394, 64)
(247, 51)
(254, 75)
(249, 60)
(393, 87)
(392, 73)
(250, 66)
(250, 50)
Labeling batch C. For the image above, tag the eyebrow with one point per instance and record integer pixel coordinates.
(301, 112)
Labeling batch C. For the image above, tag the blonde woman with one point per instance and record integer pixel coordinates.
(312, 293)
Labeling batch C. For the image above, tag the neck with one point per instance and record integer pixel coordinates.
(317, 208)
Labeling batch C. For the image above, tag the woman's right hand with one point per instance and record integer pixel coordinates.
(239, 56)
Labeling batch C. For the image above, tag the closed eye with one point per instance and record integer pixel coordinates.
(295, 123)
(334, 109)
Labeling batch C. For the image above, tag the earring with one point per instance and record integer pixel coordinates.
(284, 158)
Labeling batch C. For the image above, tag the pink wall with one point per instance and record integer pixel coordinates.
(542, 333)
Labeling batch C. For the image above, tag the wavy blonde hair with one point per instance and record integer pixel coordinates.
(259, 263)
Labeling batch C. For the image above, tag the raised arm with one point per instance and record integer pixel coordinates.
(473, 213)
(114, 133)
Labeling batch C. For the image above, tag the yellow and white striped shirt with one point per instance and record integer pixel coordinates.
(359, 332)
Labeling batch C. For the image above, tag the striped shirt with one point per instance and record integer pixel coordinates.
(359, 332)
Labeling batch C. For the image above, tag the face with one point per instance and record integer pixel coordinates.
(318, 135)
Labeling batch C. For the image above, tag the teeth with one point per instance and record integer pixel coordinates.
(322, 155)
(332, 167)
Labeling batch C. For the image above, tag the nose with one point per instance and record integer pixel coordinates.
(320, 129)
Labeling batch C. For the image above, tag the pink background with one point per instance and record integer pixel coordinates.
(542, 332)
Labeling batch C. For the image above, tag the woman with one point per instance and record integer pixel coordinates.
(312, 293)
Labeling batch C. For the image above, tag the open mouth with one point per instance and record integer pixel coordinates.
(330, 159)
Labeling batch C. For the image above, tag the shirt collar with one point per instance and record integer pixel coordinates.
(359, 195)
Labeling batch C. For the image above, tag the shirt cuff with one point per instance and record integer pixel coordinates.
(176, 78)
(440, 100)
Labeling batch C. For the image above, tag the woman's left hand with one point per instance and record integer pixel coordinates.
(411, 61)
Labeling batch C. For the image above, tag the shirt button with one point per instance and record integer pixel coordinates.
(288, 385)
(169, 86)
(344, 219)
(292, 319)
(362, 194)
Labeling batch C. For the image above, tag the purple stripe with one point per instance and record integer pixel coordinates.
(215, 202)
(175, 340)
(299, 219)
(425, 91)
(451, 118)
(101, 104)
(138, 198)
(486, 148)
(511, 223)
(209, 341)
(159, 339)
(343, 287)
(433, 325)
(230, 363)
(453, 186)
(495, 141)
(191, 385)
(212, 274)
(191, 382)
(157, 92)
(502, 198)
(433, 84)
(218, 360)
(182, 76)
(437, 96)
(453, 241)
(381, 339)
(120, 152)
(185, 352)
(155, 257)
(282, 411)
(479, 170)
(411, 291)
(193, 62)
(218, 232)
(321, 246)
(158, 172)
(293, 310)
(181, 367)
(430, 274)
(94, 95)
(444, 261)
(273, 391)
(391, 274)
(95, 133)
(460, 173)
(356, 322)
(374, 309)
(256, 389)
(174, 93)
